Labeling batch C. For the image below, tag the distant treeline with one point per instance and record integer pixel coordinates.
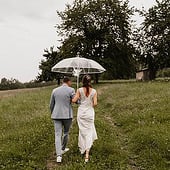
(10, 84)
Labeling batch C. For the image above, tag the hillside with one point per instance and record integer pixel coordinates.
(132, 122)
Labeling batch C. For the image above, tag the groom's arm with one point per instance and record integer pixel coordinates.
(52, 102)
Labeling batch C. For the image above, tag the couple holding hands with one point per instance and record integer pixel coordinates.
(62, 114)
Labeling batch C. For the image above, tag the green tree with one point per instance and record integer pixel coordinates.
(51, 57)
(154, 38)
(99, 30)
(4, 81)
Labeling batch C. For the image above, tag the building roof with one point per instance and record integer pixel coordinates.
(144, 69)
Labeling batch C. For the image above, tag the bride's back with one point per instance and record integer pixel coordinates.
(86, 100)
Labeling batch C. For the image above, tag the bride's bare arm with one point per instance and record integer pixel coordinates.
(95, 99)
(76, 97)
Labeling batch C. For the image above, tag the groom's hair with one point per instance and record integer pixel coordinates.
(66, 79)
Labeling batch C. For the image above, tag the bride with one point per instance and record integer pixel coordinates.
(86, 115)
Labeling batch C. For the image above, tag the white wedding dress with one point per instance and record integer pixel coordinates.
(85, 119)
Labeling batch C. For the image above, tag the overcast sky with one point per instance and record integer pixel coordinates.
(27, 28)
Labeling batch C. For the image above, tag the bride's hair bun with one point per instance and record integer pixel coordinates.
(86, 79)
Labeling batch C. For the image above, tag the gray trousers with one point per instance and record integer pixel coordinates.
(61, 140)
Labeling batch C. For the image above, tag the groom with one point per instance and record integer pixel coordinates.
(62, 114)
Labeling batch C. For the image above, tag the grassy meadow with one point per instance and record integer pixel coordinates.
(132, 122)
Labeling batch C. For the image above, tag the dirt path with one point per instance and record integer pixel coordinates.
(131, 162)
(108, 118)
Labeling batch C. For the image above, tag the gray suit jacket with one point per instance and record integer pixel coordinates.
(60, 103)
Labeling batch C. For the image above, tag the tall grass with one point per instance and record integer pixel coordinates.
(141, 115)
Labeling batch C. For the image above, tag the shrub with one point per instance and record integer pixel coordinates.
(163, 73)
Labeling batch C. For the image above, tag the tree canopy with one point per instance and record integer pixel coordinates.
(99, 30)
(51, 57)
(154, 38)
(102, 30)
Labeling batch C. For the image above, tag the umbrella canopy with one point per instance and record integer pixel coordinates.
(77, 66)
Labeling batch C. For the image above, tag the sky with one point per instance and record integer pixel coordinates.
(27, 28)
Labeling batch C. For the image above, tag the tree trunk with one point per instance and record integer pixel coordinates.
(152, 74)
(58, 81)
(152, 67)
(96, 80)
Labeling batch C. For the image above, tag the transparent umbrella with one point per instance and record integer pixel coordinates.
(77, 66)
